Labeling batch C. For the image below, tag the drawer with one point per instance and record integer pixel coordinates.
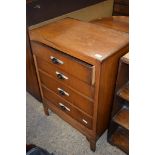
(65, 78)
(68, 94)
(79, 69)
(67, 108)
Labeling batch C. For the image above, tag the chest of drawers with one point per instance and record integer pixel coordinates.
(76, 64)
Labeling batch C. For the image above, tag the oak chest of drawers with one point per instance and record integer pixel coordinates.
(76, 64)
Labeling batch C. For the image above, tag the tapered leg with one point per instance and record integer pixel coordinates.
(92, 144)
(46, 110)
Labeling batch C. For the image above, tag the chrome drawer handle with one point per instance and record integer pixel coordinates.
(63, 107)
(56, 61)
(62, 92)
(84, 121)
(61, 76)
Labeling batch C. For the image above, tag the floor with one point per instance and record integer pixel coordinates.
(57, 136)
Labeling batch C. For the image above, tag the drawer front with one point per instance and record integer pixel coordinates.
(71, 65)
(68, 94)
(67, 108)
(66, 78)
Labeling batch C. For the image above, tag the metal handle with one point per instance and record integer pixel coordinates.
(56, 61)
(61, 76)
(62, 92)
(37, 6)
(63, 107)
(84, 121)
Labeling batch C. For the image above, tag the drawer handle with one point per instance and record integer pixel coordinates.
(63, 107)
(84, 121)
(56, 61)
(62, 92)
(37, 6)
(61, 76)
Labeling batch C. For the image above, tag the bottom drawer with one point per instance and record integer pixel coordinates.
(67, 108)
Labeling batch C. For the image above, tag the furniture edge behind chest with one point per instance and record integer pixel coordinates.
(118, 133)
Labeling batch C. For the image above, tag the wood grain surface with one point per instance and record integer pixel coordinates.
(119, 23)
(88, 37)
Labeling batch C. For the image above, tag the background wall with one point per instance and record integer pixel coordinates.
(100, 10)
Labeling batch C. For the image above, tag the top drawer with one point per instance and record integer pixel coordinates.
(73, 66)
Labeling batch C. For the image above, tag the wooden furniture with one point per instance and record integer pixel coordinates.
(77, 64)
(38, 11)
(32, 85)
(118, 133)
(119, 23)
(121, 8)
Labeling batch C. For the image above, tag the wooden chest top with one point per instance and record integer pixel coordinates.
(82, 40)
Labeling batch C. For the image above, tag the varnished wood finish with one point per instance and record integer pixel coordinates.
(38, 11)
(73, 82)
(123, 75)
(122, 118)
(120, 138)
(76, 124)
(124, 92)
(89, 39)
(71, 65)
(120, 23)
(118, 133)
(72, 110)
(93, 47)
(31, 78)
(108, 76)
(75, 98)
